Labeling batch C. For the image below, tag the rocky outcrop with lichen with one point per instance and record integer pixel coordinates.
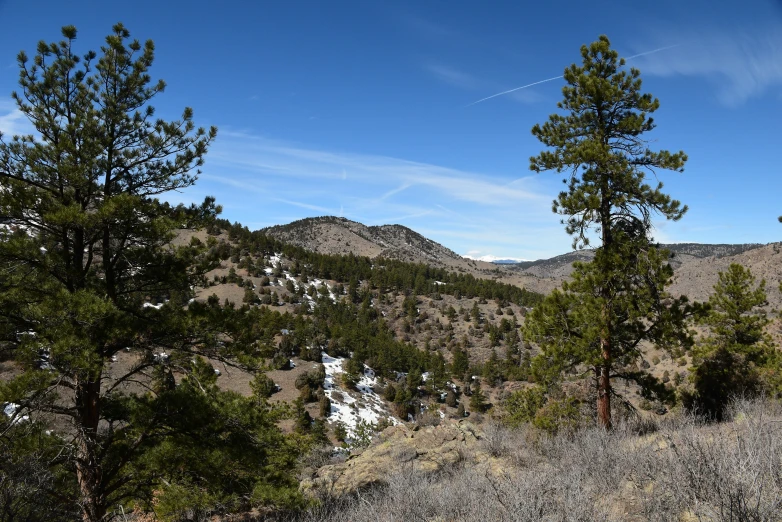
(425, 449)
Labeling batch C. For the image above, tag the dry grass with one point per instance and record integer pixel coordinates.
(682, 470)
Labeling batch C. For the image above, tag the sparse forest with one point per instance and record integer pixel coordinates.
(158, 362)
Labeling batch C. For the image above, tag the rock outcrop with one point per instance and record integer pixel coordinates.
(427, 449)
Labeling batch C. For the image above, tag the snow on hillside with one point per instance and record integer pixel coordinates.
(317, 283)
(355, 406)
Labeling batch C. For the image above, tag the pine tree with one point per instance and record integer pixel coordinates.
(89, 270)
(738, 356)
(460, 363)
(478, 400)
(600, 142)
(492, 370)
(736, 317)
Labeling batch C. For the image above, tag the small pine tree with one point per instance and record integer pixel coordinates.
(738, 356)
(324, 405)
(478, 400)
(460, 363)
(390, 394)
(340, 431)
(302, 418)
(250, 297)
(262, 387)
(319, 432)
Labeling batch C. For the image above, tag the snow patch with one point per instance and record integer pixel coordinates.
(10, 409)
(363, 404)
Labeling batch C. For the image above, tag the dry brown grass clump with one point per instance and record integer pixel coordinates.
(681, 469)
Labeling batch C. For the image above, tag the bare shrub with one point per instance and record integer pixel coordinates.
(495, 440)
(642, 470)
(428, 418)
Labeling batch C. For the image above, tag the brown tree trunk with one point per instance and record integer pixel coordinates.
(604, 377)
(88, 466)
(604, 385)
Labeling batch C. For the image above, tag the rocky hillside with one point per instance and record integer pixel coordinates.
(697, 277)
(677, 469)
(696, 265)
(336, 235)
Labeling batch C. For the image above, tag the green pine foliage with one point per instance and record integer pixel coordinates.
(209, 450)
(567, 325)
(30, 488)
(85, 249)
(736, 317)
(599, 142)
(478, 401)
(737, 357)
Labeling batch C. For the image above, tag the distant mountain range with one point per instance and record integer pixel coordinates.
(696, 265)
(681, 252)
(506, 261)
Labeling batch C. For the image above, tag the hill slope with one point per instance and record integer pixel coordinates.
(696, 264)
(336, 235)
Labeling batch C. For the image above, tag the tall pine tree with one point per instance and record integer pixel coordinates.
(600, 143)
(89, 271)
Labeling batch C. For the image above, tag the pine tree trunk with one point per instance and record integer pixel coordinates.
(88, 469)
(604, 385)
(604, 378)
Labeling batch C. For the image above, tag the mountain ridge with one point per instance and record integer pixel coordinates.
(338, 235)
(696, 264)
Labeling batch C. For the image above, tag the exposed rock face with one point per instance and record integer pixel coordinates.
(424, 449)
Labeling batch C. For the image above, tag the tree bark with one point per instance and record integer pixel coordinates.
(604, 385)
(606, 333)
(88, 468)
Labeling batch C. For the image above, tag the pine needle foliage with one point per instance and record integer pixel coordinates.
(600, 141)
(88, 272)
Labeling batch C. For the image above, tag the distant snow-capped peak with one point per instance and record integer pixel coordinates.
(494, 259)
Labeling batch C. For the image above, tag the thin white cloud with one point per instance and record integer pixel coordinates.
(426, 28)
(234, 182)
(517, 90)
(740, 62)
(257, 154)
(454, 76)
(308, 206)
(13, 121)
(527, 86)
(459, 208)
(399, 219)
(397, 190)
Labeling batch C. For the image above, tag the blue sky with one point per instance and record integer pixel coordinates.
(366, 109)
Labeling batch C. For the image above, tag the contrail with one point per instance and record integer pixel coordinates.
(512, 90)
(652, 51)
(560, 76)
